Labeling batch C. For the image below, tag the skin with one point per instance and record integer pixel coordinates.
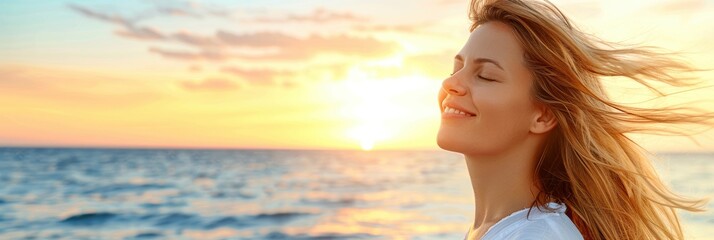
(502, 141)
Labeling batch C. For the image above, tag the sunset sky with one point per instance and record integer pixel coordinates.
(275, 74)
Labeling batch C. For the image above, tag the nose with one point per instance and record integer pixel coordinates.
(452, 85)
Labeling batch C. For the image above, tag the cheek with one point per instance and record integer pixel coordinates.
(506, 113)
(505, 120)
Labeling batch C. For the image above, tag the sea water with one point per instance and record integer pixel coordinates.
(61, 193)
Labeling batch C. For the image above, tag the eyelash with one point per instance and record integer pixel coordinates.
(479, 76)
(487, 79)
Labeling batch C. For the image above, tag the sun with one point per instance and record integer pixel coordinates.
(382, 112)
(367, 135)
(371, 113)
(367, 144)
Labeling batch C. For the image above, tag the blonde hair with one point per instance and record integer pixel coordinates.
(588, 163)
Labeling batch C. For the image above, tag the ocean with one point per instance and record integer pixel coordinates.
(63, 193)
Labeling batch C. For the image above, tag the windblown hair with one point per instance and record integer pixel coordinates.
(588, 163)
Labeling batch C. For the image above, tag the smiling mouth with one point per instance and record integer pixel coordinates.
(448, 110)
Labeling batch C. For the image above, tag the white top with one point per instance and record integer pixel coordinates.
(540, 224)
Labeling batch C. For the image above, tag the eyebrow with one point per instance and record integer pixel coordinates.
(480, 60)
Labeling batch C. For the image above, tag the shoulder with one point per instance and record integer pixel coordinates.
(551, 226)
(545, 222)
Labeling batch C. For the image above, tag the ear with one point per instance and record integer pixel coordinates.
(543, 120)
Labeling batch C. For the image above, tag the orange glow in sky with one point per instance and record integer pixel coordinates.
(255, 74)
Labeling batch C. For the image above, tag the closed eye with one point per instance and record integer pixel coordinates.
(487, 79)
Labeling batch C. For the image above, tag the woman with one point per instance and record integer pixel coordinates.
(544, 146)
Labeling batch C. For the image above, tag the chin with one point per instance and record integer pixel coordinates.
(451, 142)
(459, 141)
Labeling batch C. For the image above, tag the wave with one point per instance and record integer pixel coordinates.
(145, 235)
(279, 215)
(228, 222)
(126, 187)
(234, 194)
(329, 202)
(182, 220)
(178, 220)
(255, 220)
(164, 204)
(281, 235)
(66, 163)
(89, 219)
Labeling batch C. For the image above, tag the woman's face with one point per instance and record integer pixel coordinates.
(492, 86)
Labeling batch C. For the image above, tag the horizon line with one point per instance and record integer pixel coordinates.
(272, 149)
(209, 148)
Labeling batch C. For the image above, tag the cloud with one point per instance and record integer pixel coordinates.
(130, 30)
(191, 9)
(281, 46)
(387, 28)
(290, 77)
(214, 48)
(259, 39)
(141, 33)
(196, 40)
(210, 84)
(76, 88)
(195, 68)
(111, 18)
(318, 15)
(177, 11)
(301, 48)
(19, 78)
(681, 6)
(205, 54)
(260, 76)
(224, 46)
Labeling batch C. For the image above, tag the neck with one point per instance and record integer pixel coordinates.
(502, 183)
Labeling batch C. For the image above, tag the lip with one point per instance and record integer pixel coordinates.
(457, 107)
(454, 116)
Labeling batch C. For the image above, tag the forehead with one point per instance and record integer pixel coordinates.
(494, 40)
